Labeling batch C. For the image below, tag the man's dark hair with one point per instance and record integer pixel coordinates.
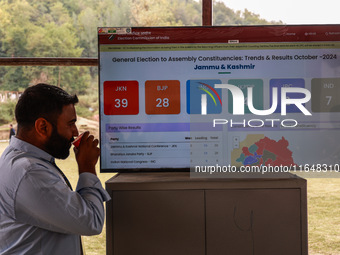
(42, 100)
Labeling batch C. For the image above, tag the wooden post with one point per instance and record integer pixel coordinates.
(59, 76)
(207, 12)
(48, 62)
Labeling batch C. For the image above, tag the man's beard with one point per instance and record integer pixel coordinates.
(58, 146)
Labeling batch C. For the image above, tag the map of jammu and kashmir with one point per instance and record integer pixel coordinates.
(257, 149)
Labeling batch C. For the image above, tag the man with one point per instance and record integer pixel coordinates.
(39, 213)
(11, 131)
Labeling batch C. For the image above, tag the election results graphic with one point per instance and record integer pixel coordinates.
(197, 88)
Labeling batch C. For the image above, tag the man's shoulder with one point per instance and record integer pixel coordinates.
(24, 155)
(15, 164)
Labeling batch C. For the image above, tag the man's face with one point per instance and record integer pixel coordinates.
(62, 135)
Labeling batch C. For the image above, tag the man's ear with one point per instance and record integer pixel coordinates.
(43, 128)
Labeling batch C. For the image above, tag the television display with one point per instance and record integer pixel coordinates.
(180, 98)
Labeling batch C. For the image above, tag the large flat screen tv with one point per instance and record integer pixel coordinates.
(180, 98)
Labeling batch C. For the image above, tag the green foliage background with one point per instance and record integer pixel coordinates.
(68, 28)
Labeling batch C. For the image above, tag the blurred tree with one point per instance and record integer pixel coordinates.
(186, 12)
(224, 16)
(40, 29)
(7, 112)
(250, 18)
(152, 13)
(15, 20)
(68, 28)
